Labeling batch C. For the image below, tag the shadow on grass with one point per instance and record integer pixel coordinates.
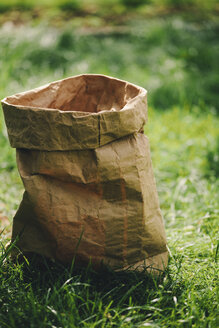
(38, 292)
(46, 273)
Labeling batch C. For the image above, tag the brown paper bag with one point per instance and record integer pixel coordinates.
(86, 169)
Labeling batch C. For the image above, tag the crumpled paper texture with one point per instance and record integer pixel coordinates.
(90, 191)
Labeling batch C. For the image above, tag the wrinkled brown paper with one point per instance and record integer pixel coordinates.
(86, 169)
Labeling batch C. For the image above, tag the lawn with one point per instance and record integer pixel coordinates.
(175, 57)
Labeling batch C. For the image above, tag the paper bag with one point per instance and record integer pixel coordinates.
(90, 193)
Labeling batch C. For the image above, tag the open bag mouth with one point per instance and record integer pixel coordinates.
(88, 93)
(82, 112)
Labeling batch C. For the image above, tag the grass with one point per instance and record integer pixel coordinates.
(176, 60)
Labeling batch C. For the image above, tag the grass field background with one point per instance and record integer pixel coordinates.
(171, 49)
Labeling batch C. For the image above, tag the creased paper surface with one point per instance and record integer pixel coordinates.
(86, 169)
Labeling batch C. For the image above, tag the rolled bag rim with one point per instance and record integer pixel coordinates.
(72, 130)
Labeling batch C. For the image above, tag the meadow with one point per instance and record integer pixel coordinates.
(174, 55)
